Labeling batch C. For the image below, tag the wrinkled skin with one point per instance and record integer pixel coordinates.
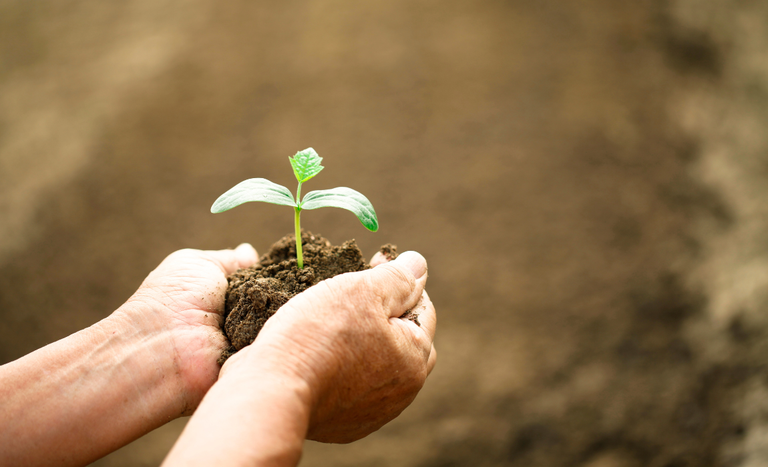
(334, 364)
(344, 339)
(184, 298)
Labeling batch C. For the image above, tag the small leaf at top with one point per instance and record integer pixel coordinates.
(306, 164)
(254, 189)
(345, 198)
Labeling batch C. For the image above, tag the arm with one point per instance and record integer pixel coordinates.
(334, 364)
(151, 361)
(257, 416)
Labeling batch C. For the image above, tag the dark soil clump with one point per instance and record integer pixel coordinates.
(256, 293)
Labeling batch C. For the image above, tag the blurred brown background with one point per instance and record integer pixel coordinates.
(587, 180)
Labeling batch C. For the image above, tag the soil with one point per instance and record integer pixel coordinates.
(256, 293)
(586, 180)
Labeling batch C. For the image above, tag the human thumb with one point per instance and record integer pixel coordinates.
(401, 282)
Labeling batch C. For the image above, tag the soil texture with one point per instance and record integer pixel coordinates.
(587, 181)
(256, 293)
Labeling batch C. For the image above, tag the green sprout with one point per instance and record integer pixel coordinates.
(306, 164)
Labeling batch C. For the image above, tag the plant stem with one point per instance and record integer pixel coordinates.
(299, 253)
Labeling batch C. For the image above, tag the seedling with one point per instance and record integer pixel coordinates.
(306, 164)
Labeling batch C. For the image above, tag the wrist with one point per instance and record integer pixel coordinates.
(256, 414)
(99, 384)
(259, 365)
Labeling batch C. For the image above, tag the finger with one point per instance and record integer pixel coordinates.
(432, 360)
(400, 282)
(427, 315)
(231, 260)
(246, 255)
(379, 258)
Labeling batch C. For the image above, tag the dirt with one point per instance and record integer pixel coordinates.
(256, 293)
(587, 181)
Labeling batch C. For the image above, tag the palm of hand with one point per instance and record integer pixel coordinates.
(182, 301)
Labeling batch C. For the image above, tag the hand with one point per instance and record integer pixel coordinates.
(184, 299)
(147, 363)
(344, 339)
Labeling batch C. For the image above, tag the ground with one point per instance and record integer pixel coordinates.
(585, 179)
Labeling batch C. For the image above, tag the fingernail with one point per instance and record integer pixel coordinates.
(415, 262)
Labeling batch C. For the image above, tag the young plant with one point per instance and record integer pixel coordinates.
(306, 164)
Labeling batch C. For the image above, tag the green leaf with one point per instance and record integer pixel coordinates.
(344, 198)
(306, 164)
(254, 189)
